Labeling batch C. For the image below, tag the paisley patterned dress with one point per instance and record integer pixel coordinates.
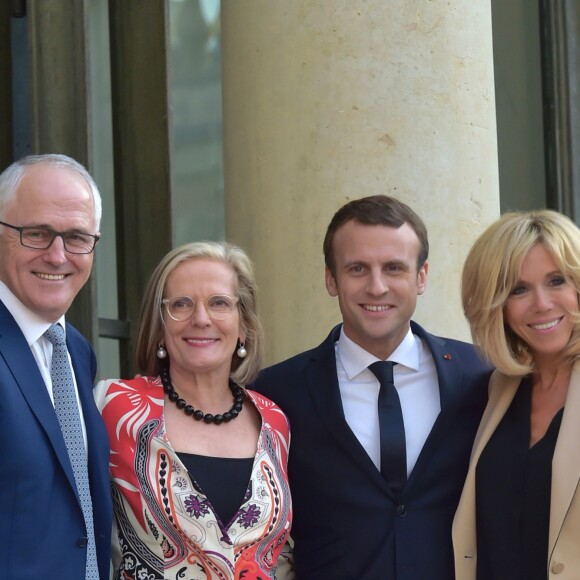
(165, 525)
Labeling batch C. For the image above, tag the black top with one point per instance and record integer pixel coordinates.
(223, 480)
(513, 485)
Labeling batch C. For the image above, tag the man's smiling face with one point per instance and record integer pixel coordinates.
(47, 281)
(376, 282)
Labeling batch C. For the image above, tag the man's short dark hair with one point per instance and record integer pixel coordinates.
(376, 210)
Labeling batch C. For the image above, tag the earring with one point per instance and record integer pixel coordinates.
(161, 352)
(242, 352)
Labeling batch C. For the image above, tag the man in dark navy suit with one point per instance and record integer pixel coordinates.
(55, 504)
(350, 519)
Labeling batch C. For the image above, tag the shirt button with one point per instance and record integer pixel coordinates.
(557, 567)
(82, 542)
(401, 511)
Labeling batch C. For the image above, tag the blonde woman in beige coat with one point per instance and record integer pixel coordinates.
(519, 514)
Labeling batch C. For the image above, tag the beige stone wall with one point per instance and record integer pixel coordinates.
(326, 101)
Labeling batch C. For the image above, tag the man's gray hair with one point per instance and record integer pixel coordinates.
(11, 177)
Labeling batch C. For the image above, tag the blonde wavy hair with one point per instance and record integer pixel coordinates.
(243, 370)
(491, 271)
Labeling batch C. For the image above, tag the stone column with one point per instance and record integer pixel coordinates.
(326, 101)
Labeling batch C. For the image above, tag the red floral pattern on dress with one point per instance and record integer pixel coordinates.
(166, 526)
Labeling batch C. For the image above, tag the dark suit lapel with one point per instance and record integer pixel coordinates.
(84, 368)
(20, 361)
(449, 374)
(323, 387)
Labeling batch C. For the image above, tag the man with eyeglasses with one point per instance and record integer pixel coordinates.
(55, 505)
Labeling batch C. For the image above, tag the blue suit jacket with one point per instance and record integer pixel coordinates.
(42, 530)
(347, 525)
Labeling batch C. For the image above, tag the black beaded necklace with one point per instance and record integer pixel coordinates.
(197, 414)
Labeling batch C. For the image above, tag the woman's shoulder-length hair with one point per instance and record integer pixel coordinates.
(491, 272)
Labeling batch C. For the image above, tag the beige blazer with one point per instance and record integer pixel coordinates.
(564, 542)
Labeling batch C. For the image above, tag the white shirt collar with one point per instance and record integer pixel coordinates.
(31, 325)
(356, 359)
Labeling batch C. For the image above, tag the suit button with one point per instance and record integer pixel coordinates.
(401, 511)
(557, 567)
(82, 542)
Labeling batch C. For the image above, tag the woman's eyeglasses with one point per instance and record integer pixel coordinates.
(182, 308)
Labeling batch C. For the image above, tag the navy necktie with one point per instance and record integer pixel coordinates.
(392, 428)
(67, 412)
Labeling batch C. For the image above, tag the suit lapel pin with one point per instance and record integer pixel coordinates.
(447, 356)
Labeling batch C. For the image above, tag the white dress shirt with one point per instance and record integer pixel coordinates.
(415, 378)
(33, 328)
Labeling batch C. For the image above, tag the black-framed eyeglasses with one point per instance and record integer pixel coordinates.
(39, 238)
(219, 306)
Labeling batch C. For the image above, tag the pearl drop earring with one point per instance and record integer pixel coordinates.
(161, 352)
(242, 352)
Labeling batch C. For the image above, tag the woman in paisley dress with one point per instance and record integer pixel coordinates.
(198, 463)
